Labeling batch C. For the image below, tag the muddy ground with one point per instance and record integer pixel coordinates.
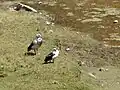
(87, 27)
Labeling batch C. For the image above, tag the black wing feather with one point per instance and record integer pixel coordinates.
(30, 46)
(49, 57)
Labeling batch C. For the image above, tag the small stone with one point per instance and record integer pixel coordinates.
(40, 13)
(62, 5)
(103, 69)
(55, 82)
(52, 4)
(11, 9)
(47, 15)
(48, 23)
(118, 83)
(2, 67)
(106, 69)
(102, 84)
(81, 63)
(51, 31)
(101, 26)
(77, 32)
(40, 2)
(115, 21)
(53, 24)
(93, 4)
(70, 14)
(67, 49)
(78, 19)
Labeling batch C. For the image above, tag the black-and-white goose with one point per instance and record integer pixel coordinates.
(35, 44)
(52, 55)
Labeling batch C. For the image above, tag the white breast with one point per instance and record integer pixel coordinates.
(56, 54)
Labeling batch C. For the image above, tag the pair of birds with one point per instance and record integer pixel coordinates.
(36, 43)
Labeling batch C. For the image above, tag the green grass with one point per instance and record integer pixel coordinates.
(27, 72)
(17, 30)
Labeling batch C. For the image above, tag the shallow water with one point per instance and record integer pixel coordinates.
(91, 16)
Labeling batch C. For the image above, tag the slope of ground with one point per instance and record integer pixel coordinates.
(77, 69)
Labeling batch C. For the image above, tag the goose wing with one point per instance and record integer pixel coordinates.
(30, 46)
(49, 56)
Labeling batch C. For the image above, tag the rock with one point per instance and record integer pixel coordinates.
(102, 84)
(63, 5)
(101, 26)
(67, 49)
(93, 4)
(48, 23)
(40, 2)
(51, 31)
(81, 63)
(70, 14)
(40, 13)
(55, 82)
(52, 3)
(78, 19)
(106, 69)
(2, 67)
(47, 15)
(103, 69)
(118, 83)
(115, 21)
(53, 24)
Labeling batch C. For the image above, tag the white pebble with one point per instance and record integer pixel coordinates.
(47, 15)
(67, 49)
(115, 21)
(48, 23)
(40, 2)
(103, 69)
(83, 63)
(40, 13)
(51, 31)
(53, 24)
(78, 19)
(2, 67)
(70, 14)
